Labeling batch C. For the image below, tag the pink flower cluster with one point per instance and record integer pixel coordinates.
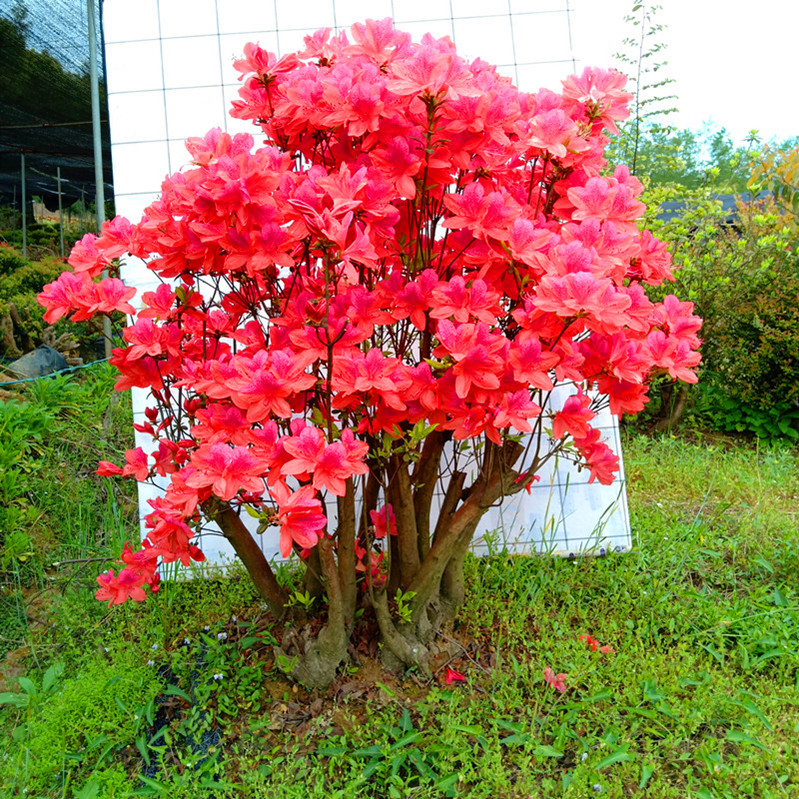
(417, 242)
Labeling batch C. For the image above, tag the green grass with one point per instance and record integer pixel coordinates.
(181, 697)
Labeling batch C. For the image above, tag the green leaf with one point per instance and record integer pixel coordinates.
(779, 599)
(173, 690)
(647, 770)
(369, 751)
(159, 788)
(447, 784)
(517, 739)
(405, 721)
(90, 790)
(370, 769)
(420, 765)
(621, 755)
(141, 745)
(410, 738)
(51, 675)
(17, 700)
(546, 751)
(331, 751)
(772, 653)
(752, 708)
(742, 738)
(651, 691)
(600, 697)
(471, 729)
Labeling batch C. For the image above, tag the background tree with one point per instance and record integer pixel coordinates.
(642, 59)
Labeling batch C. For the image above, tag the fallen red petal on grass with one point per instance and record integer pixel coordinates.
(451, 676)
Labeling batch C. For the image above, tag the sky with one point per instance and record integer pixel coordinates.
(733, 61)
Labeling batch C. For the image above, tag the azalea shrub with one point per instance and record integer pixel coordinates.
(377, 301)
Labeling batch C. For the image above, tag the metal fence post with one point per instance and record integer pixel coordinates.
(60, 211)
(99, 200)
(24, 210)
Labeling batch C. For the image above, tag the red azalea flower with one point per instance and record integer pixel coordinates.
(590, 641)
(556, 681)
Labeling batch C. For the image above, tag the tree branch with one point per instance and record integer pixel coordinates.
(346, 551)
(250, 555)
(485, 491)
(399, 489)
(424, 480)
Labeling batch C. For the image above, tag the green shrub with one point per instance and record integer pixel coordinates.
(752, 359)
(744, 282)
(11, 260)
(28, 277)
(22, 327)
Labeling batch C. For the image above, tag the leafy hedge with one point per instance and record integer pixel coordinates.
(744, 280)
(21, 325)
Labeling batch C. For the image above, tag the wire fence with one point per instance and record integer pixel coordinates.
(46, 142)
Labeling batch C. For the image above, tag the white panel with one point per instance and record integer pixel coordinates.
(289, 41)
(415, 10)
(133, 66)
(305, 14)
(437, 27)
(126, 21)
(477, 8)
(131, 205)
(186, 17)
(135, 273)
(143, 113)
(532, 77)
(541, 37)
(489, 38)
(140, 167)
(350, 11)
(231, 47)
(536, 6)
(191, 62)
(195, 82)
(193, 112)
(246, 15)
(179, 156)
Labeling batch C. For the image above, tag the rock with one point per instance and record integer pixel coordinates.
(42, 361)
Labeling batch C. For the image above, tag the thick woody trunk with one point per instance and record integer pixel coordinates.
(436, 590)
(316, 660)
(429, 572)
